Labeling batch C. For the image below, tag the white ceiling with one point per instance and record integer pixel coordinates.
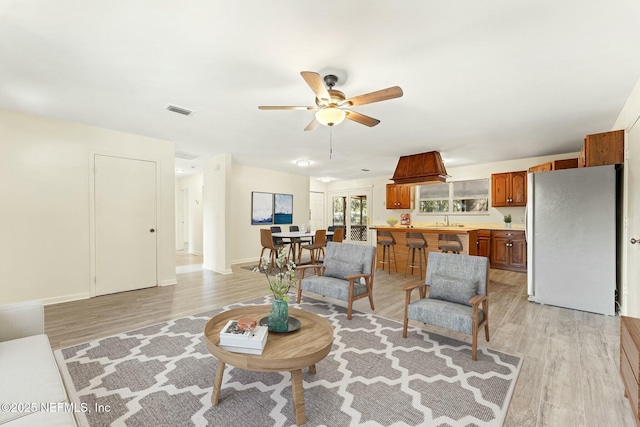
(483, 80)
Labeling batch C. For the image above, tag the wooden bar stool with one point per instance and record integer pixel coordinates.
(416, 241)
(388, 243)
(449, 242)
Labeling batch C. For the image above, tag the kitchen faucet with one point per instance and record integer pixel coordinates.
(446, 219)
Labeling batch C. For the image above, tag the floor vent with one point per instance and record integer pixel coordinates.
(186, 156)
(179, 110)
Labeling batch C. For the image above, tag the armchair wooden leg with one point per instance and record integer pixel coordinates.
(474, 343)
(371, 301)
(350, 298)
(407, 300)
(485, 308)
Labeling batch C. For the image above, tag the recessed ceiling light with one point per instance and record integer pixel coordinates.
(303, 163)
(325, 179)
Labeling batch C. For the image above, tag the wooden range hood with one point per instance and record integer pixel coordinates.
(423, 168)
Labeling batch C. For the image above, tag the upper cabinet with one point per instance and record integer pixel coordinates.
(555, 165)
(399, 196)
(605, 148)
(509, 189)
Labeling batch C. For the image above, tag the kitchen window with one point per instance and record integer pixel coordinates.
(454, 197)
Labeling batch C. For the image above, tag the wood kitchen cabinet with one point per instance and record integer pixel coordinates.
(555, 165)
(630, 361)
(483, 243)
(509, 189)
(544, 167)
(399, 196)
(508, 250)
(605, 148)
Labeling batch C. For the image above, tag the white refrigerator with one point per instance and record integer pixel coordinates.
(572, 229)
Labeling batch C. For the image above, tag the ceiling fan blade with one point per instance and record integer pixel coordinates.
(377, 96)
(311, 126)
(284, 107)
(362, 119)
(316, 84)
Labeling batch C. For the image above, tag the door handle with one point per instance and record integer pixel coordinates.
(634, 241)
(153, 230)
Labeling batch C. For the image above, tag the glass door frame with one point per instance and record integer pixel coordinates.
(348, 194)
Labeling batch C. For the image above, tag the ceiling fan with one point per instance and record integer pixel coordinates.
(332, 105)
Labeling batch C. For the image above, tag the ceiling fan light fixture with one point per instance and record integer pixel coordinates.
(330, 116)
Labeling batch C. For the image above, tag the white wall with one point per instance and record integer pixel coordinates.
(245, 245)
(379, 213)
(229, 237)
(44, 209)
(193, 184)
(215, 197)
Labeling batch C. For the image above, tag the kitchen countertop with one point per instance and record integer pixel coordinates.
(464, 229)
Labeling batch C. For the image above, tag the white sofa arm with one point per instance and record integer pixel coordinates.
(21, 320)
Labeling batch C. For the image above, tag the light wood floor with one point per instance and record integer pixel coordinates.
(569, 376)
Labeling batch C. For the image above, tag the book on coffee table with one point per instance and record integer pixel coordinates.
(239, 341)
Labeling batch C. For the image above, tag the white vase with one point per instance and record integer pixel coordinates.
(507, 225)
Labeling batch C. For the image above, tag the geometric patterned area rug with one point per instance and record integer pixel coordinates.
(162, 375)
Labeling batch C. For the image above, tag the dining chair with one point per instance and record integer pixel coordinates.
(297, 242)
(266, 239)
(338, 235)
(318, 245)
(277, 240)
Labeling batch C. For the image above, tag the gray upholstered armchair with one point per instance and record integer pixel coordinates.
(458, 296)
(346, 274)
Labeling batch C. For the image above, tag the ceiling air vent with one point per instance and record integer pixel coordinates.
(179, 110)
(186, 156)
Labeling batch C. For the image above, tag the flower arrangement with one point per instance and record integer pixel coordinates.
(285, 277)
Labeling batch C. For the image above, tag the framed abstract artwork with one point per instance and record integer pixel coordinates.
(283, 208)
(261, 208)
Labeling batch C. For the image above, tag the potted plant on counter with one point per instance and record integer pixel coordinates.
(507, 221)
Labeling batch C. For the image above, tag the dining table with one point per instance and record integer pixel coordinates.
(299, 234)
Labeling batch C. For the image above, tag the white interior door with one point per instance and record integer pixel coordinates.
(316, 210)
(633, 221)
(125, 197)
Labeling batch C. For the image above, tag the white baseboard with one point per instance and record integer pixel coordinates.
(168, 282)
(245, 260)
(215, 270)
(65, 298)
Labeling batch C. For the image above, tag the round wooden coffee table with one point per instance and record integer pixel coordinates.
(283, 352)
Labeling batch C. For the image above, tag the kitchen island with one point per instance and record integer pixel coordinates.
(505, 247)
